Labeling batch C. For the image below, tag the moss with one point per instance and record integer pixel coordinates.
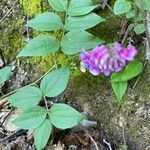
(108, 30)
(31, 6)
(14, 42)
(132, 130)
(144, 84)
(100, 31)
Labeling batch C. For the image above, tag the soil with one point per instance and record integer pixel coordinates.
(120, 124)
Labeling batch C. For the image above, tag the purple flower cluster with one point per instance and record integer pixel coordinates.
(103, 59)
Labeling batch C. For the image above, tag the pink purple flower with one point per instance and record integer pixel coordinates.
(103, 59)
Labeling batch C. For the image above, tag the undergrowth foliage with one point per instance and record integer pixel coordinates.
(133, 11)
(74, 37)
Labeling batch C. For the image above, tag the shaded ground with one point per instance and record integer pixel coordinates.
(128, 122)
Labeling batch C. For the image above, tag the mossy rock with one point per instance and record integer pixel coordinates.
(93, 94)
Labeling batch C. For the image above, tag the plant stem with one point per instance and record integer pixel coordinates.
(46, 103)
(112, 10)
(28, 14)
(28, 84)
(63, 33)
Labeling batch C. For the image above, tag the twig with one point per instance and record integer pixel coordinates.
(108, 144)
(3, 102)
(125, 36)
(8, 11)
(96, 146)
(139, 76)
(7, 116)
(13, 134)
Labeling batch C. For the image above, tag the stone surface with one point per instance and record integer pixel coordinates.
(92, 94)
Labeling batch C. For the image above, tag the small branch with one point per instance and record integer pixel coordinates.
(3, 102)
(15, 133)
(108, 144)
(7, 116)
(8, 11)
(96, 146)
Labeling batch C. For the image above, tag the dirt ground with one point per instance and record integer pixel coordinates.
(118, 126)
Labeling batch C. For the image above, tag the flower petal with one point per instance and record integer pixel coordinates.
(128, 53)
(94, 71)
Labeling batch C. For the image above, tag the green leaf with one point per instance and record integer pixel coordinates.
(74, 42)
(4, 74)
(121, 7)
(46, 22)
(31, 118)
(40, 45)
(119, 89)
(139, 29)
(63, 116)
(59, 5)
(27, 97)
(131, 70)
(80, 7)
(55, 82)
(146, 4)
(83, 22)
(139, 17)
(42, 134)
(130, 14)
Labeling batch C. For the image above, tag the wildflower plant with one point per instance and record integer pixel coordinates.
(116, 60)
(102, 59)
(78, 18)
(95, 56)
(133, 10)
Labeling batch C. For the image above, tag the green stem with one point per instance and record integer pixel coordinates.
(45, 101)
(112, 10)
(65, 18)
(34, 83)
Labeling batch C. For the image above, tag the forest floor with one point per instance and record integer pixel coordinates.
(104, 134)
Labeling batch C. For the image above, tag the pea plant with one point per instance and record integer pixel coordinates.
(133, 10)
(78, 18)
(73, 38)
